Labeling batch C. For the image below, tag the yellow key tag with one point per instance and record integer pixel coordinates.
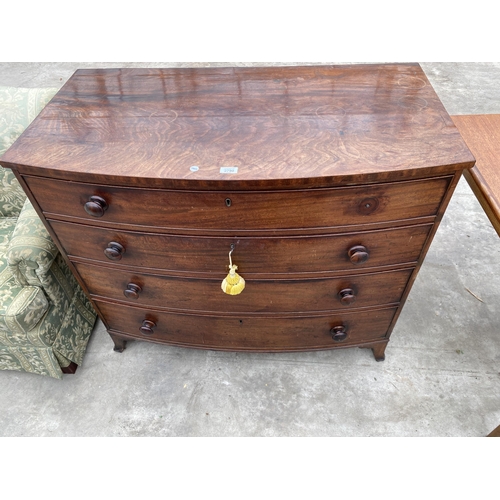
(233, 283)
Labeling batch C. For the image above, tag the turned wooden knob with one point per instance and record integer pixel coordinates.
(96, 206)
(114, 251)
(132, 291)
(347, 296)
(339, 333)
(147, 327)
(358, 254)
(368, 206)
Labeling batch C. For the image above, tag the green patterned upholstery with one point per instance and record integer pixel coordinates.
(18, 108)
(45, 318)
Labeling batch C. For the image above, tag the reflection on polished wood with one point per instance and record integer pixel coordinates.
(280, 126)
(327, 184)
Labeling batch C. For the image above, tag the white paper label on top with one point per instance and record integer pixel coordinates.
(229, 170)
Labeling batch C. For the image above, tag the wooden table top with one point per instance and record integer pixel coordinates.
(298, 126)
(482, 135)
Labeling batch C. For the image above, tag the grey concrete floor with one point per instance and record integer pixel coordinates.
(441, 376)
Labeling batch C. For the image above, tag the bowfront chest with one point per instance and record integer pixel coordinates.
(324, 185)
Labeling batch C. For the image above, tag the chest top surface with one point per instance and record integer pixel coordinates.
(274, 126)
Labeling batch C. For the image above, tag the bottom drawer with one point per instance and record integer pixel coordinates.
(249, 333)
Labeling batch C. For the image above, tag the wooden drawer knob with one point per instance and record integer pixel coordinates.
(358, 254)
(132, 291)
(147, 327)
(339, 333)
(114, 251)
(96, 206)
(347, 296)
(368, 206)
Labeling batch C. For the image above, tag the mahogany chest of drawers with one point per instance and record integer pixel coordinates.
(323, 184)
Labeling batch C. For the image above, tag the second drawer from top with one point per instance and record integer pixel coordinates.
(257, 257)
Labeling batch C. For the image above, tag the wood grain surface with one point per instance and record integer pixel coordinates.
(259, 297)
(249, 333)
(242, 211)
(297, 125)
(482, 135)
(327, 182)
(254, 256)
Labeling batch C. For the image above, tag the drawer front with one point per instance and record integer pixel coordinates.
(259, 296)
(242, 211)
(264, 256)
(249, 333)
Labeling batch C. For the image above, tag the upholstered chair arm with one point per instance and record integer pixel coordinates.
(18, 108)
(31, 251)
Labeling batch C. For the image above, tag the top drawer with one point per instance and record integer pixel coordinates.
(240, 210)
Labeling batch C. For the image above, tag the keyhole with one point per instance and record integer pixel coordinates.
(228, 202)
